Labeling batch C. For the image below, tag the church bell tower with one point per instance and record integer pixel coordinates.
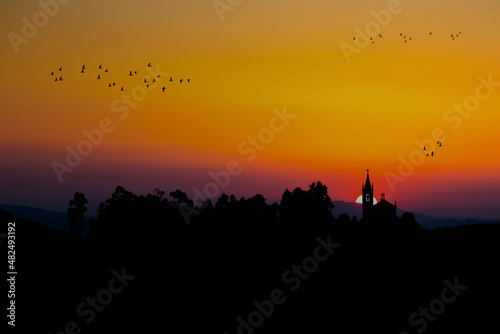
(367, 190)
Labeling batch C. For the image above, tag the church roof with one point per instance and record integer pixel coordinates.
(384, 204)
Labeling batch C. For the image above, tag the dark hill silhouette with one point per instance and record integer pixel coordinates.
(59, 220)
(51, 219)
(225, 263)
(425, 221)
(441, 222)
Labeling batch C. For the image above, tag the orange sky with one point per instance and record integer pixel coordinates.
(264, 55)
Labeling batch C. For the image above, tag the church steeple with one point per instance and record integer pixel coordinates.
(367, 196)
(383, 211)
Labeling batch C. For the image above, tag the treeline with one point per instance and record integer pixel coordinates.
(300, 213)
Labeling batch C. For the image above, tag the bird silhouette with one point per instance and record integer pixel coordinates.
(180, 81)
(354, 38)
(380, 35)
(131, 73)
(109, 85)
(430, 33)
(410, 38)
(83, 67)
(188, 80)
(56, 79)
(135, 72)
(425, 148)
(100, 67)
(427, 155)
(52, 73)
(106, 70)
(121, 89)
(401, 34)
(147, 85)
(149, 64)
(432, 153)
(114, 84)
(145, 80)
(60, 68)
(154, 80)
(60, 78)
(158, 76)
(171, 79)
(98, 76)
(439, 143)
(163, 89)
(83, 71)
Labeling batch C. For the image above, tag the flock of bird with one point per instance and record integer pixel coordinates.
(407, 39)
(432, 152)
(132, 73)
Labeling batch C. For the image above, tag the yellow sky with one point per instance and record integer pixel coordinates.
(264, 55)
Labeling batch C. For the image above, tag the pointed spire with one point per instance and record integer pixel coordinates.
(368, 184)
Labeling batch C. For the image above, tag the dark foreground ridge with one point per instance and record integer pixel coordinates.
(243, 266)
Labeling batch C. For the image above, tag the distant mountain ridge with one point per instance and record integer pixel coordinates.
(52, 219)
(59, 221)
(425, 221)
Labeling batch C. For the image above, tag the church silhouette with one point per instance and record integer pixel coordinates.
(382, 210)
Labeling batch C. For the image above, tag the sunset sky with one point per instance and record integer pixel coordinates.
(346, 113)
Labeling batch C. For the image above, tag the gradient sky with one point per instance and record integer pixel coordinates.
(264, 55)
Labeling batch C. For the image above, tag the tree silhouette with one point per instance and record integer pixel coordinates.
(76, 214)
(306, 212)
(118, 214)
(181, 198)
(129, 220)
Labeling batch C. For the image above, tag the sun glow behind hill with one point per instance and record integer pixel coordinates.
(360, 200)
